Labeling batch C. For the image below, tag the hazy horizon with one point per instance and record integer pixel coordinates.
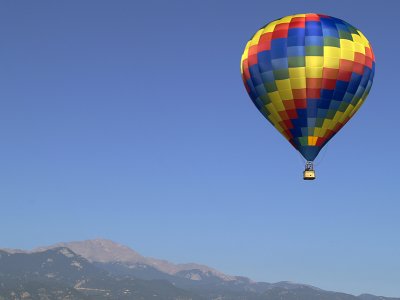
(129, 120)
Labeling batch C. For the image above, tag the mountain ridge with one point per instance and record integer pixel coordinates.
(106, 263)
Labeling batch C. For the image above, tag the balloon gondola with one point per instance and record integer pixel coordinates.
(308, 74)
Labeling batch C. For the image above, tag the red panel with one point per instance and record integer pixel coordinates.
(313, 93)
(368, 62)
(289, 104)
(312, 17)
(298, 22)
(287, 124)
(329, 73)
(359, 57)
(283, 26)
(253, 50)
(314, 83)
(368, 52)
(345, 65)
(358, 68)
(300, 103)
(328, 84)
(246, 72)
(278, 34)
(253, 59)
(320, 141)
(265, 42)
(283, 115)
(292, 113)
(299, 94)
(344, 75)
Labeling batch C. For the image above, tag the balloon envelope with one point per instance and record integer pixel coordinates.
(308, 74)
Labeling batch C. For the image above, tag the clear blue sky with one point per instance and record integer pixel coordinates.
(128, 120)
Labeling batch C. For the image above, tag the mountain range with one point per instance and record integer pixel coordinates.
(104, 270)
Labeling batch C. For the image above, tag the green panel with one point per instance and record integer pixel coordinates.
(331, 41)
(265, 99)
(314, 51)
(270, 86)
(345, 35)
(281, 74)
(303, 140)
(331, 113)
(343, 106)
(296, 61)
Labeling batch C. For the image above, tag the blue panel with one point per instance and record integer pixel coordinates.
(327, 24)
(335, 105)
(309, 152)
(314, 40)
(278, 48)
(258, 103)
(327, 94)
(264, 61)
(313, 28)
(365, 77)
(321, 113)
(261, 90)
(342, 27)
(312, 105)
(354, 83)
(280, 63)
(295, 32)
(252, 92)
(348, 97)
(340, 90)
(324, 103)
(296, 131)
(255, 75)
(296, 51)
(295, 41)
(268, 76)
(311, 122)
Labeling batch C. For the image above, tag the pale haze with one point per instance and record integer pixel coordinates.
(128, 120)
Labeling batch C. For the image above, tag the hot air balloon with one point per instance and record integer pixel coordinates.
(308, 74)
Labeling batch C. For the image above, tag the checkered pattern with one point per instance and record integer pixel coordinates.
(308, 74)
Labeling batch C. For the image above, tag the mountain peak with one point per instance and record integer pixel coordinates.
(106, 251)
(100, 250)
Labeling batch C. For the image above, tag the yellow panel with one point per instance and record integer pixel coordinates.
(285, 19)
(331, 51)
(359, 48)
(346, 113)
(326, 124)
(321, 132)
(357, 107)
(283, 84)
(274, 116)
(286, 94)
(337, 116)
(332, 63)
(297, 72)
(347, 54)
(356, 38)
(270, 27)
(256, 37)
(314, 72)
(364, 40)
(298, 83)
(346, 44)
(314, 61)
(276, 101)
(245, 54)
(312, 140)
